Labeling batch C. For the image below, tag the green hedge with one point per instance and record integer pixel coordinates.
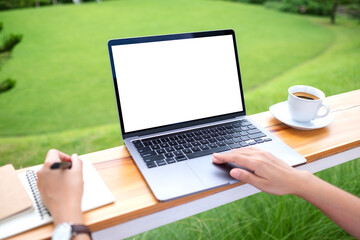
(314, 7)
(11, 4)
(311, 7)
(251, 1)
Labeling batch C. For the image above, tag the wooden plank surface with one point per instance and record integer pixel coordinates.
(134, 198)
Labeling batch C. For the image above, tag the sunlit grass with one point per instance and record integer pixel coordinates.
(63, 72)
(24, 151)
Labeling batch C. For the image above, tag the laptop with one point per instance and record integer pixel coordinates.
(180, 99)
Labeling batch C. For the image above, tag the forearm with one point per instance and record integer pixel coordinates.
(341, 207)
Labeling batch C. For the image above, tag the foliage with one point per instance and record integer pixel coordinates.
(314, 7)
(9, 4)
(317, 7)
(7, 84)
(251, 1)
(354, 10)
(12, 4)
(5, 49)
(10, 41)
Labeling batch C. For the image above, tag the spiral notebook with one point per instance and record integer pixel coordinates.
(96, 194)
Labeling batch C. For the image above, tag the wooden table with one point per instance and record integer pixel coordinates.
(136, 209)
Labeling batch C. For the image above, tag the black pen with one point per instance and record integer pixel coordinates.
(61, 165)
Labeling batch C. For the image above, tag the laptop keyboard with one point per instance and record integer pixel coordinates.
(181, 146)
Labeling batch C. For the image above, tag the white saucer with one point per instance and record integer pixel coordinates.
(280, 112)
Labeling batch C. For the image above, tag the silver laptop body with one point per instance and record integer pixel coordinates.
(180, 99)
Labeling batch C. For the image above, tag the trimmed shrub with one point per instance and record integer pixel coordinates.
(5, 50)
(7, 84)
(10, 42)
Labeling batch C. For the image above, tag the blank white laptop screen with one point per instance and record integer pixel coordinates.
(168, 82)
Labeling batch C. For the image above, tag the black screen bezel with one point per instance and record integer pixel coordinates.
(170, 37)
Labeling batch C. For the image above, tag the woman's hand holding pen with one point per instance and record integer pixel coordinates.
(61, 189)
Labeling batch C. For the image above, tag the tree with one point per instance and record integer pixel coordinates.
(333, 11)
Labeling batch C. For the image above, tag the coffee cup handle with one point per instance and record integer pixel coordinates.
(326, 113)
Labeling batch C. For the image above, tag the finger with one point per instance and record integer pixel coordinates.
(248, 151)
(39, 175)
(225, 157)
(64, 157)
(76, 162)
(235, 157)
(247, 177)
(245, 150)
(54, 155)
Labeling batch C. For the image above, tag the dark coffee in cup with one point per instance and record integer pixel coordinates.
(304, 103)
(305, 95)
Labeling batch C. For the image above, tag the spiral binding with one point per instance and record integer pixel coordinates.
(32, 179)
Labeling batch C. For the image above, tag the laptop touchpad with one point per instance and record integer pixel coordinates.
(210, 174)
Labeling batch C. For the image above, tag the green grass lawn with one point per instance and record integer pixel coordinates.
(64, 95)
(62, 63)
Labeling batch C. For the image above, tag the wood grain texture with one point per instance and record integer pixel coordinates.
(134, 199)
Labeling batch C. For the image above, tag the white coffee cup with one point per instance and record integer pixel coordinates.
(305, 103)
